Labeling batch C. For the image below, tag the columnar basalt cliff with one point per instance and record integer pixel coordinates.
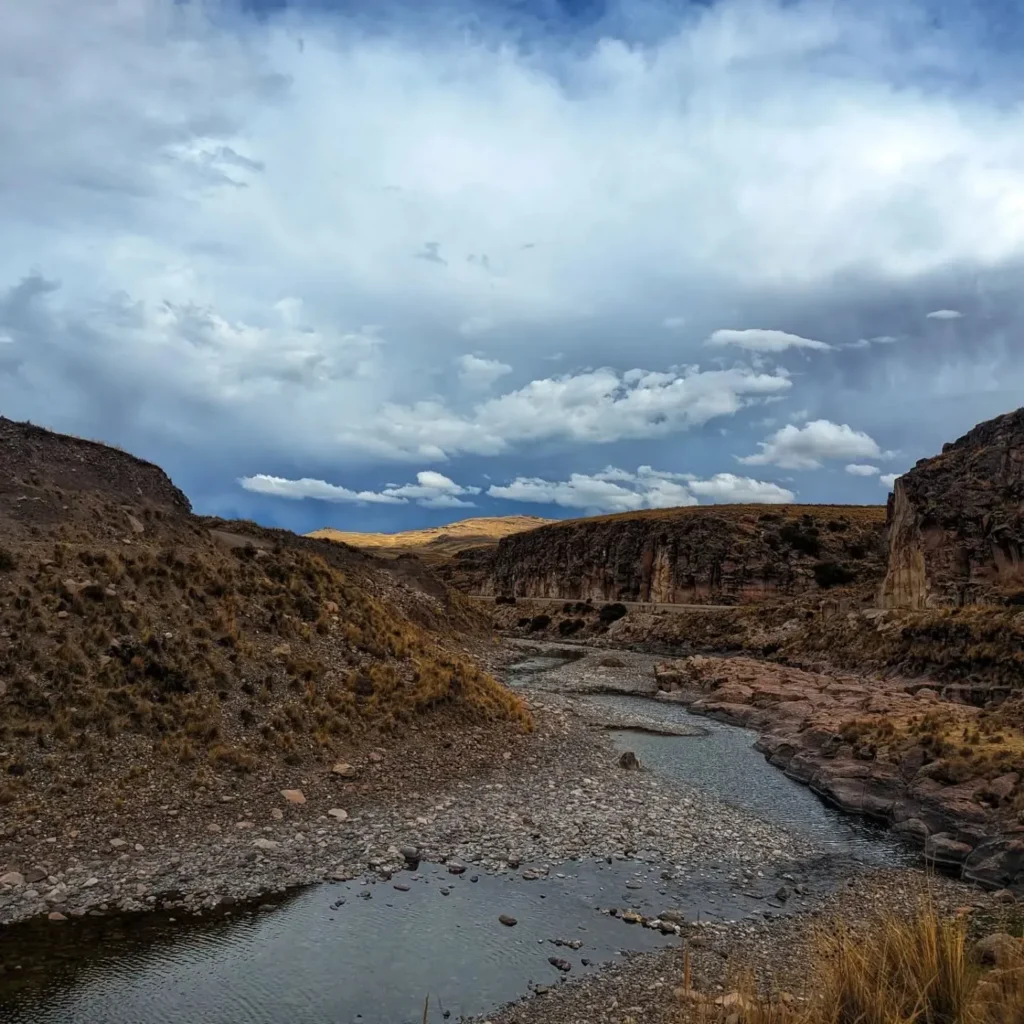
(724, 553)
(956, 522)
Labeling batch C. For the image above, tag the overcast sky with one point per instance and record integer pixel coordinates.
(378, 269)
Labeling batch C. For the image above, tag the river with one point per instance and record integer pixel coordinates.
(368, 952)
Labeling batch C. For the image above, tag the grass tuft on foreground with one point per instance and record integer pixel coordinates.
(920, 970)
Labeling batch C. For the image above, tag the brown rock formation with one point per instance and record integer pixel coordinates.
(723, 553)
(956, 522)
(945, 775)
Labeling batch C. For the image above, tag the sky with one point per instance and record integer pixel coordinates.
(384, 265)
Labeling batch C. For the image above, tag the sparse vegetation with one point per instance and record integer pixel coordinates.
(920, 970)
(610, 613)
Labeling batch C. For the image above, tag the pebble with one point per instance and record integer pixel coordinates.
(509, 922)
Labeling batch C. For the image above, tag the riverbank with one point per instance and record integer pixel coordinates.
(945, 775)
(773, 953)
(480, 798)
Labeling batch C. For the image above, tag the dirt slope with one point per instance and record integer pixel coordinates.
(146, 648)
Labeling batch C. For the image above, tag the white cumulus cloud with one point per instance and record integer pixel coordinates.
(806, 447)
(860, 469)
(888, 479)
(944, 314)
(431, 490)
(592, 407)
(759, 340)
(618, 490)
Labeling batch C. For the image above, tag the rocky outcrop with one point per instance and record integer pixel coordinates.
(877, 748)
(956, 522)
(715, 554)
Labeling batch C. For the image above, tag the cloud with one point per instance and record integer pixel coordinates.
(431, 253)
(431, 490)
(944, 314)
(674, 323)
(759, 340)
(805, 447)
(617, 490)
(859, 469)
(480, 374)
(434, 490)
(296, 490)
(593, 407)
(888, 479)
(226, 234)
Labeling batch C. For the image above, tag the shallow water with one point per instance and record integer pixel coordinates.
(330, 955)
(724, 762)
(371, 961)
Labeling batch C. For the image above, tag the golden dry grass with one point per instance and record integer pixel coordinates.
(916, 970)
(441, 541)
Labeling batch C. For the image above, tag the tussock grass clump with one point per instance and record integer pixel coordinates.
(915, 970)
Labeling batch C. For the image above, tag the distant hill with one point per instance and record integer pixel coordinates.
(439, 542)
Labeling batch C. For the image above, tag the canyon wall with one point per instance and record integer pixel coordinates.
(714, 554)
(956, 522)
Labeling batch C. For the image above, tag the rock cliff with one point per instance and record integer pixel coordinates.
(956, 522)
(715, 554)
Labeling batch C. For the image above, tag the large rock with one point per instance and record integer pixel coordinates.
(997, 863)
(945, 851)
(956, 521)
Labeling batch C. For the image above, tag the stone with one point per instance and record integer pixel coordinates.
(213, 827)
(55, 916)
(344, 769)
(509, 922)
(35, 875)
(455, 868)
(944, 850)
(12, 878)
(277, 814)
(401, 886)
(118, 844)
(782, 894)
(629, 761)
(997, 949)
(560, 964)
(293, 796)
(338, 813)
(1004, 896)
(997, 863)
(631, 917)
(265, 844)
(410, 853)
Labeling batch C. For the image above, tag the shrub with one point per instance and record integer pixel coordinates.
(833, 574)
(569, 626)
(505, 599)
(7, 560)
(539, 622)
(801, 537)
(612, 612)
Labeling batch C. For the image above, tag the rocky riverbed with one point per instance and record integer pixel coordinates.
(559, 794)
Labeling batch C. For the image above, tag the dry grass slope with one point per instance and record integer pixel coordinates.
(136, 642)
(438, 542)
